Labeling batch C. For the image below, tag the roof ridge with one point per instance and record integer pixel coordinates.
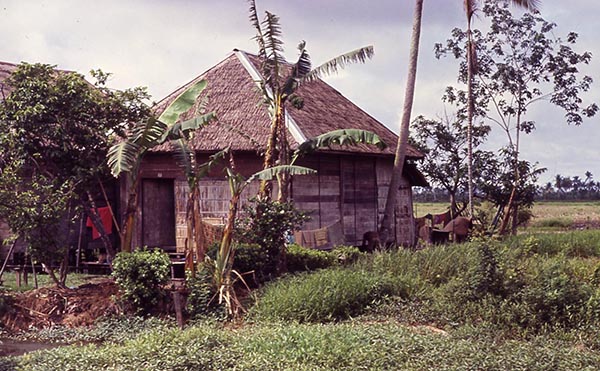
(291, 124)
(156, 104)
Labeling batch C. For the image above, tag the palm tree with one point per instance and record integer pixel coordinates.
(386, 221)
(279, 85)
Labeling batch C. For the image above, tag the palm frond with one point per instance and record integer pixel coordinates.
(299, 70)
(260, 39)
(272, 172)
(148, 133)
(527, 4)
(273, 49)
(182, 129)
(184, 156)
(122, 157)
(182, 103)
(212, 162)
(334, 65)
(339, 137)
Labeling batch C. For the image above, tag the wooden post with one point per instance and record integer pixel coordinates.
(34, 274)
(177, 299)
(18, 276)
(10, 251)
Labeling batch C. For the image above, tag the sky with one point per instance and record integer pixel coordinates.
(162, 44)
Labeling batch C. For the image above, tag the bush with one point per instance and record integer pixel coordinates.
(201, 300)
(249, 257)
(300, 259)
(140, 275)
(555, 296)
(267, 224)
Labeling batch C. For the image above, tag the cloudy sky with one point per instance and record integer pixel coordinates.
(162, 44)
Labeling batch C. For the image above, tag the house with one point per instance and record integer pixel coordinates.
(349, 188)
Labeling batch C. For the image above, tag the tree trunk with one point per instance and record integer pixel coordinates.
(470, 112)
(199, 236)
(390, 205)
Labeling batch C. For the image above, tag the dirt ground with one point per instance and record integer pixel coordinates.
(48, 306)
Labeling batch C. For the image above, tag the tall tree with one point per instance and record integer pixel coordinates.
(400, 156)
(280, 83)
(471, 7)
(520, 63)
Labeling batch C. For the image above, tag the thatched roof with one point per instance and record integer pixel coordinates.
(6, 69)
(243, 119)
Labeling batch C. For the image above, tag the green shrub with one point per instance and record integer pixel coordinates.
(301, 259)
(251, 260)
(140, 275)
(554, 295)
(267, 224)
(347, 255)
(326, 295)
(201, 299)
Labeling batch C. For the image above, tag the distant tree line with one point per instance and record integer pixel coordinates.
(567, 188)
(571, 188)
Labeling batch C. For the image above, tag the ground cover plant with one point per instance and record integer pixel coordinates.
(346, 346)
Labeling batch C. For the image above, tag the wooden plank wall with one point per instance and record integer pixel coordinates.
(305, 193)
(348, 188)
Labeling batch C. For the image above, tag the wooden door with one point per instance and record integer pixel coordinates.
(158, 213)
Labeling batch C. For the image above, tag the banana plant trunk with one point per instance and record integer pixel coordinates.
(271, 153)
(130, 211)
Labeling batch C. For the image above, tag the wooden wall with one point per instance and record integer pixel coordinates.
(349, 188)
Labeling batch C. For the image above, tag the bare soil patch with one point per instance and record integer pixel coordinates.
(71, 307)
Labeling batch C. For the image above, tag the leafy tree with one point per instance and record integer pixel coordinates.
(497, 183)
(55, 126)
(444, 144)
(519, 63)
(471, 7)
(280, 84)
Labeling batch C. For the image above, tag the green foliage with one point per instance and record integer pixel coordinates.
(300, 259)
(342, 346)
(267, 224)
(140, 275)
(201, 301)
(563, 223)
(326, 295)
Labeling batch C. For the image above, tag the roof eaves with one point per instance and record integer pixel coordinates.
(292, 126)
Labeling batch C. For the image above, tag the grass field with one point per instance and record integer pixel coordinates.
(546, 215)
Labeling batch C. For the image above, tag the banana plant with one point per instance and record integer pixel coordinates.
(222, 276)
(279, 85)
(126, 156)
(341, 137)
(194, 172)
